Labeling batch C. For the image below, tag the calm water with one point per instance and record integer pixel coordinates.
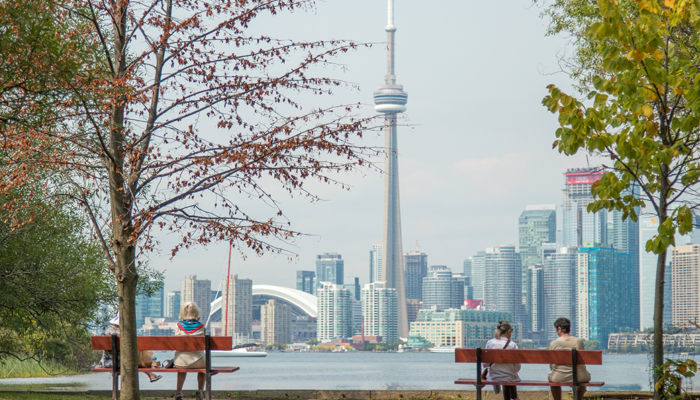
(349, 371)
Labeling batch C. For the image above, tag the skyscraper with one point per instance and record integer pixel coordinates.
(478, 274)
(375, 263)
(390, 100)
(305, 281)
(547, 250)
(624, 236)
(237, 316)
(535, 297)
(197, 291)
(441, 289)
(605, 292)
(686, 284)
(412, 308)
(559, 289)
(276, 322)
(581, 226)
(467, 265)
(416, 270)
(536, 225)
(334, 311)
(379, 309)
(152, 306)
(329, 268)
(172, 304)
(503, 283)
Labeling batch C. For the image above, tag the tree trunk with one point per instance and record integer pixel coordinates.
(126, 284)
(662, 213)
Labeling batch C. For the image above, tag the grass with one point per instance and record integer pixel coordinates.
(43, 396)
(13, 368)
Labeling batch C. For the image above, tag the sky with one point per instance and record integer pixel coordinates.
(477, 150)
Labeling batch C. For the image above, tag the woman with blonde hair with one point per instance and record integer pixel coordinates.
(503, 372)
(190, 325)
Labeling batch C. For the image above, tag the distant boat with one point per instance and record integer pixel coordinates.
(442, 349)
(242, 352)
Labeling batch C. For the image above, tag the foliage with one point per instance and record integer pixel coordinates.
(591, 344)
(642, 113)
(672, 373)
(14, 368)
(313, 342)
(381, 346)
(52, 281)
(527, 345)
(275, 346)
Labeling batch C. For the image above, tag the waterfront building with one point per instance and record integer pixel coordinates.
(416, 270)
(153, 326)
(559, 289)
(390, 100)
(172, 304)
(581, 226)
(334, 312)
(686, 284)
(196, 291)
(547, 250)
(150, 306)
(238, 307)
(535, 297)
(441, 289)
(305, 281)
(357, 315)
(303, 328)
(462, 328)
(536, 225)
(379, 309)
(276, 322)
(412, 308)
(605, 293)
(681, 341)
(478, 275)
(503, 284)
(375, 263)
(468, 289)
(329, 268)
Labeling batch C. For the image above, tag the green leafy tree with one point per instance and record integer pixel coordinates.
(641, 113)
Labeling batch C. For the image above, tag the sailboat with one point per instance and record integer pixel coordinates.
(240, 350)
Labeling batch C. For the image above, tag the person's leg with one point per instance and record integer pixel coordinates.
(556, 392)
(513, 392)
(181, 380)
(201, 377)
(581, 392)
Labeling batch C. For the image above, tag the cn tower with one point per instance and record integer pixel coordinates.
(390, 100)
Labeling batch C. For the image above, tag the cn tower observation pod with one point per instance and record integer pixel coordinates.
(390, 99)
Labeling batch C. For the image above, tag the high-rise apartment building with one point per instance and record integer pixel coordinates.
(237, 317)
(416, 269)
(380, 310)
(172, 304)
(503, 283)
(153, 306)
(460, 327)
(467, 267)
(547, 250)
(441, 289)
(605, 292)
(581, 226)
(412, 308)
(357, 289)
(478, 275)
(686, 285)
(305, 281)
(329, 268)
(197, 291)
(276, 322)
(375, 263)
(624, 236)
(334, 311)
(559, 289)
(535, 297)
(536, 225)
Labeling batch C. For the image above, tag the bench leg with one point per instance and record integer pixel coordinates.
(115, 386)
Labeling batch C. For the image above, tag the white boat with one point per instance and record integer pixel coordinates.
(442, 349)
(238, 353)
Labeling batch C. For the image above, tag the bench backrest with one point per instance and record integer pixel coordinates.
(182, 343)
(584, 357)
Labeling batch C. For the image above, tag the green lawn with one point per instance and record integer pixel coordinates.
(12, 368)
(42, 396)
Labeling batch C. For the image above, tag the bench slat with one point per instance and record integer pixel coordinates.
(182, 343)
(157, 370)
(527, 383)
(585, 357)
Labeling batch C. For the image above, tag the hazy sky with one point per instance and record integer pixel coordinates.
(478, 151)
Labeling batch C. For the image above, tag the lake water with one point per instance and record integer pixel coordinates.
(349, 371)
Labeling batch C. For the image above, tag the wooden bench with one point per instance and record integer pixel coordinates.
(182, 343)
(567, 357)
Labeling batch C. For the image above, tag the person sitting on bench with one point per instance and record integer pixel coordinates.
(503, 372)
(564, 373)
(106, 361)
(190, 325)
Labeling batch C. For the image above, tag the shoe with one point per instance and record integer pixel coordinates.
(496, 389)
(168, 363)
(178, 396)
(199, 395)
(156, 378)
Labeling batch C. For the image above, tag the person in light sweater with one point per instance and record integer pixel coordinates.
(564, 373)
(503, 372)
(190, 325)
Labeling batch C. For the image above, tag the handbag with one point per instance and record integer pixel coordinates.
(486, 370)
